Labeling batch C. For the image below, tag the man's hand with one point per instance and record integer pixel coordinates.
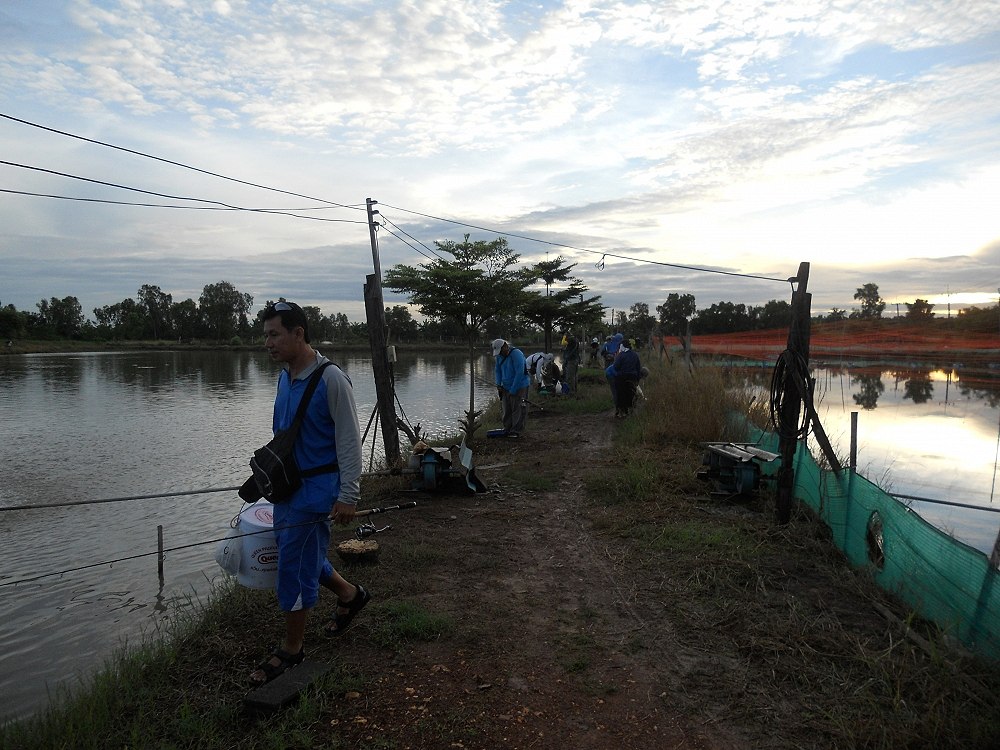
(343, 513)
(500, 391)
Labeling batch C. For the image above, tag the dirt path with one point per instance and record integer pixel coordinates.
(553, 644)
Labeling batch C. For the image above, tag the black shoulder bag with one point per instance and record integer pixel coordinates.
(276, 475)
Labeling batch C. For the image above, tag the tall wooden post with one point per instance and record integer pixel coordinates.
(798, 351)
(375, 314)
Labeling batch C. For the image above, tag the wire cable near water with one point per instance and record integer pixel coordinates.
(35, 506)
(359, 514)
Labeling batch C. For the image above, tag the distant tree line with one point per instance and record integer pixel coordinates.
(221, 313)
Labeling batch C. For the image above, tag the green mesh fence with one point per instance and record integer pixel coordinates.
(942, 579)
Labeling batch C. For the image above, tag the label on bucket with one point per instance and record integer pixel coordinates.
(259, 564)
(263, 515)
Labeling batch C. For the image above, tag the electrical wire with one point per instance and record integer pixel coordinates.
(358, 207)
(226, 206)
(280, 211)
(400, 229)
(412, 247)
(602, 253)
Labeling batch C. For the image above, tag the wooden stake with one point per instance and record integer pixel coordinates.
(798, 346)
(854, 441)
(159, 551)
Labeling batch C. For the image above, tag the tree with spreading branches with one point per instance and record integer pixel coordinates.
(563, 306)
(479, 280)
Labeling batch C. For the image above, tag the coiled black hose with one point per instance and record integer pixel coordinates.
(791, 368)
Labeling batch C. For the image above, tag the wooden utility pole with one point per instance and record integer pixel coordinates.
(375, 314)
(797, 354)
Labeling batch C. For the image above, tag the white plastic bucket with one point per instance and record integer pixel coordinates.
(259, 560)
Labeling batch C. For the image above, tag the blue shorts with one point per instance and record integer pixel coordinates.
(303, 538)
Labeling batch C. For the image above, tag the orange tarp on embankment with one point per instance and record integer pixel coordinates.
(858, 340)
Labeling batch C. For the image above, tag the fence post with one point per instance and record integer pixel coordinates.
(798, 348)
(854, 441)
(159, 551)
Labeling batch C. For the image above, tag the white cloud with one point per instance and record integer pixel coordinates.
(743, 135)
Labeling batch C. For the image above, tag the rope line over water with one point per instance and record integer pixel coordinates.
(155, 552)
(36, 506)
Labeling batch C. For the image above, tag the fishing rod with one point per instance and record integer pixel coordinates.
(527, 400)
(366, 530)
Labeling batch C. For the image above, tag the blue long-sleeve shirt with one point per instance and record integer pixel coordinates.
(329, 433)
(626, 365)
(509, 372)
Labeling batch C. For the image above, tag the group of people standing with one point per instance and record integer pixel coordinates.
(623, 369)
(513, 373)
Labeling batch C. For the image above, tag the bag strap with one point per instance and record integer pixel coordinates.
(300, 413)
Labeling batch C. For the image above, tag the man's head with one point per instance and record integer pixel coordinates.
(291, 316)
(500, 347)
(286, 331)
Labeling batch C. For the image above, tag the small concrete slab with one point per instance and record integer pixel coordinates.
(284, 689)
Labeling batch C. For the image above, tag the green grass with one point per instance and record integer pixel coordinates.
(628, 479)
(401, 622)
(696, 538)
(532, 480)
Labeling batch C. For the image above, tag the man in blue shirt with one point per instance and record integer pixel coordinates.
(625, 371)
(512, 386)
(328, 438)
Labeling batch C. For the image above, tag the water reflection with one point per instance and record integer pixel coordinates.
(166, 371)
(917, 385)
(929, 432)
(871, 387)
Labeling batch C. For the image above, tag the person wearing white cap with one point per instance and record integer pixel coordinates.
(512, 386)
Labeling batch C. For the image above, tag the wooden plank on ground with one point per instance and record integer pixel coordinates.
(285, 689)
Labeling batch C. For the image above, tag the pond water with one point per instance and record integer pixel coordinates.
(106, 425)
(923, 432)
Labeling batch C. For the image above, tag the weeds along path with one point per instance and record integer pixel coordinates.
(542, 642)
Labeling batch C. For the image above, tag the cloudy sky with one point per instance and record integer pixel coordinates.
(741, 137)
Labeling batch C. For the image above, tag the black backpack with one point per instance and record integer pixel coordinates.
(276, 475)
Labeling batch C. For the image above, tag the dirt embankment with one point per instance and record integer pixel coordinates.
(682, 622)
(551, 645)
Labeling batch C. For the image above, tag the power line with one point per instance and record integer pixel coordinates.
(410, 245)
(431, 251)
(178, 164)
(227, 206)
(602, 253)
(279, 211)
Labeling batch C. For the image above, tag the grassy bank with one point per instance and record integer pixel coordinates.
(545, 615)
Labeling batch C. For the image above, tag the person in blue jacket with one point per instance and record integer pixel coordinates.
(329, 443)
(512, 386)
(625, 371)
